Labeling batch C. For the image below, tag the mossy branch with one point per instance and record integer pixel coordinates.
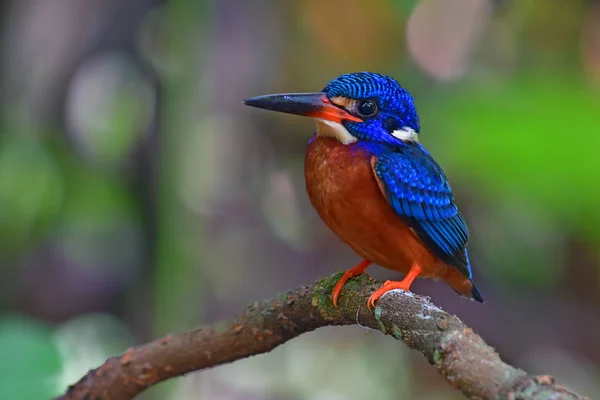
(461, 356)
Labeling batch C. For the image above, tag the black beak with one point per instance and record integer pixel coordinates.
(315, 105)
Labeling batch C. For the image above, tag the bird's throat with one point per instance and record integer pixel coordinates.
(327, 128)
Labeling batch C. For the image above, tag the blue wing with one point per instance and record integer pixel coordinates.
(417, 189)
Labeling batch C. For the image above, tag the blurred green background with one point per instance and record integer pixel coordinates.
(138, 196)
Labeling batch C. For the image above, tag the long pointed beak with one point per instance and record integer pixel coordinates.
(315, 105)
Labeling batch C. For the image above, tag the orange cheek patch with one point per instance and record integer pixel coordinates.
(332, 111)
(345, 102)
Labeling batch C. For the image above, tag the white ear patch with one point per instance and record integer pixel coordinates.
(406, 134)
(334, 129)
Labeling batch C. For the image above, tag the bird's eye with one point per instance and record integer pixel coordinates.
(367, 108)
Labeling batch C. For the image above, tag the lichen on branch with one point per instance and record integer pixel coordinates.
(460, 355)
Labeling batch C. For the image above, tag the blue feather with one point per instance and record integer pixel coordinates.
(419, 192)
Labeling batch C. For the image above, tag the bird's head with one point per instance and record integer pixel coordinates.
(359, 106)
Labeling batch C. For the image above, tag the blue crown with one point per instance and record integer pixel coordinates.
(395, 104)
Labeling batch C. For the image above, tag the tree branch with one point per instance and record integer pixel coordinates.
(461, 356)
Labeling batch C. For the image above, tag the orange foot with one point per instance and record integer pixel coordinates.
(404, 284)
(351, 273)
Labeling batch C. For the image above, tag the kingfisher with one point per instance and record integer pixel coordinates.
(375, 186)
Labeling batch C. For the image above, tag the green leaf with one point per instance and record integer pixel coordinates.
(30, 363)
(31, 188)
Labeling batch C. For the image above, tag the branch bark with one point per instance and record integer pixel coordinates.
(461, 356)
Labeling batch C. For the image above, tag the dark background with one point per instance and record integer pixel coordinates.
(138, 196)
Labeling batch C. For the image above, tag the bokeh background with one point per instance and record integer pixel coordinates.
(138, 196)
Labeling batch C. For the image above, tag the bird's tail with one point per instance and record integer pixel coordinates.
(462, 284)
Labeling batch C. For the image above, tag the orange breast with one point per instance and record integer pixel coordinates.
(342, 188)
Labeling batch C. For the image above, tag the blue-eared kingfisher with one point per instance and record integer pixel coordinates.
(375, 186)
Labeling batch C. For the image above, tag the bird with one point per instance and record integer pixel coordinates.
(375, 185)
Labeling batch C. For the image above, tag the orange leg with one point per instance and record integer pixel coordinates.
(351, 273)
(404, 284)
